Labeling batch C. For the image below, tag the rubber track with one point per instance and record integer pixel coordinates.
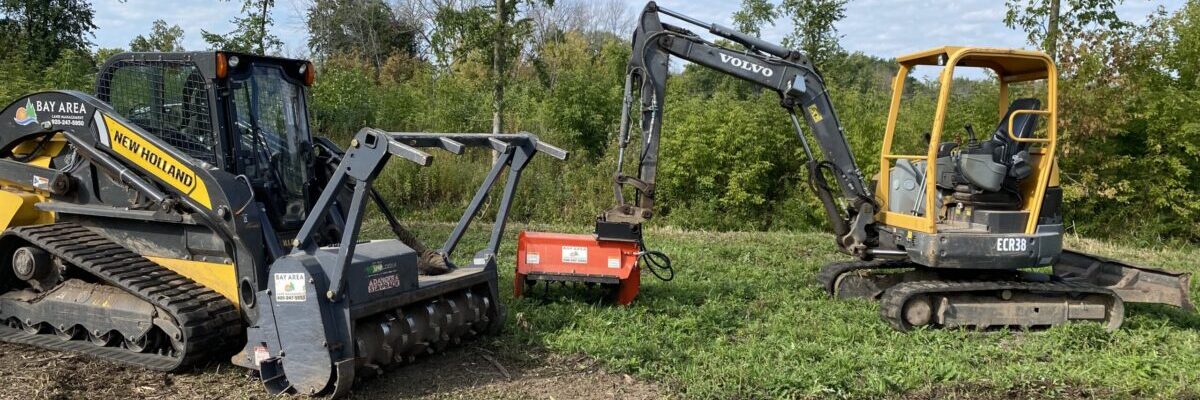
(209, 322)
(828, 274)
(891, 307)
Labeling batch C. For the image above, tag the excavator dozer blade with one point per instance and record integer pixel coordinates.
(1134, 284)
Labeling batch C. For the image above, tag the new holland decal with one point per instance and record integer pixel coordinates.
(149, 157)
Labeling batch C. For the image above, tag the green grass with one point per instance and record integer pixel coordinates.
(744, 318)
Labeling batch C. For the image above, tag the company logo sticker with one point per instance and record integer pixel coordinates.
(574, 255)
(26, 115)
(129, 144)
(746, 65)
(290, 287)
(381, 283)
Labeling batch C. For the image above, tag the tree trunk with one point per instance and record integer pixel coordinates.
(1052, 31)
(262, 28)
(498, 61)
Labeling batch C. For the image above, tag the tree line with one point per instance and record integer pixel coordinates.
(1129, 91)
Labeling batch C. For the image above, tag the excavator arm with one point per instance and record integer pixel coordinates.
(787, 72)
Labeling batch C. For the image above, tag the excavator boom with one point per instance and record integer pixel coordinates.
(788, 73)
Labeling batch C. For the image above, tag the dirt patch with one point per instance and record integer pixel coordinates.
(476, 373)
(464, 373)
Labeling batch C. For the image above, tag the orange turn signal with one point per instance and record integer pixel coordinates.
(310, 74)
(222, 66)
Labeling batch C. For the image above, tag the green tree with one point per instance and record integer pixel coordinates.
(42, 30)
(103, 53)
(815, 31)
(496, 30)
(753, 15)
(1131, 134)
(162, 38)
(252, 34)
(1048, 21)
(508, 33)
(366, 29)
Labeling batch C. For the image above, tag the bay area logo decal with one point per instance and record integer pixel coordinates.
(26, 115)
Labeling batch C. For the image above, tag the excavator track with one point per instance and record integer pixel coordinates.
(830, 275)
(987, 304)
(205, 323)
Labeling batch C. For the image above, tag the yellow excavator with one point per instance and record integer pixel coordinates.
(952, 235)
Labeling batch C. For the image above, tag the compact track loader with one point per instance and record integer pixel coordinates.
(945, 237)
(185, 211)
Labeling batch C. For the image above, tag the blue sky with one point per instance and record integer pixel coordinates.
(885, 28)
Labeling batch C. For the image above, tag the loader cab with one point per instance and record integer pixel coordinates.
(996, 175)
(241, 113)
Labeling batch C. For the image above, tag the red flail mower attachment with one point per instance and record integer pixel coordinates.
(558, 257)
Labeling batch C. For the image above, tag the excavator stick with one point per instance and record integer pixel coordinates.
(333, 314)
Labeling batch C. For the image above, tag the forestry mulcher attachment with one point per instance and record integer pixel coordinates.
(959, 224)
(186, 212)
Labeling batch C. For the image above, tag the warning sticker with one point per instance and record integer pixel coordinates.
(260, 355)
(533, 258)
(574, 254)
(614, 262)
(815, 113)
(290, 287)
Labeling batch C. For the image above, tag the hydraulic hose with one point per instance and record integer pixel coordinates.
(657, 262)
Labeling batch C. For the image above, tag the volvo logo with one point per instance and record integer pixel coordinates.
(746, 65)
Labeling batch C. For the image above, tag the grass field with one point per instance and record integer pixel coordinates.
(745, 319)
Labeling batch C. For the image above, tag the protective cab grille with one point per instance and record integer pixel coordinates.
(166, 98)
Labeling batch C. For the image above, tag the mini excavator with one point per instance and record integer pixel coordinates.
(185, 212)
(946, 238)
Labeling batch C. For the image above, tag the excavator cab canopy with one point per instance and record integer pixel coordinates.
(1021, 148)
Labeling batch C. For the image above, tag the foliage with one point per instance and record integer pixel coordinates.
(814, 32)
(753, 15)
(252, 33)
(40, 31)
(1047, 21)
(1132, 131)
(162, 38)
(369, 30)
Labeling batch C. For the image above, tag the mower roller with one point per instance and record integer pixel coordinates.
(185, 212)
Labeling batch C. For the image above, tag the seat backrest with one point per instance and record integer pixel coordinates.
(1023, 125)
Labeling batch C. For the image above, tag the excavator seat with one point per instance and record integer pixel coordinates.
(983, 170)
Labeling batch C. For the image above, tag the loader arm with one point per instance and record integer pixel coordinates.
(787, 72)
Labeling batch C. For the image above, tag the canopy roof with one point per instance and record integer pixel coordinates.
(1012, 64)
